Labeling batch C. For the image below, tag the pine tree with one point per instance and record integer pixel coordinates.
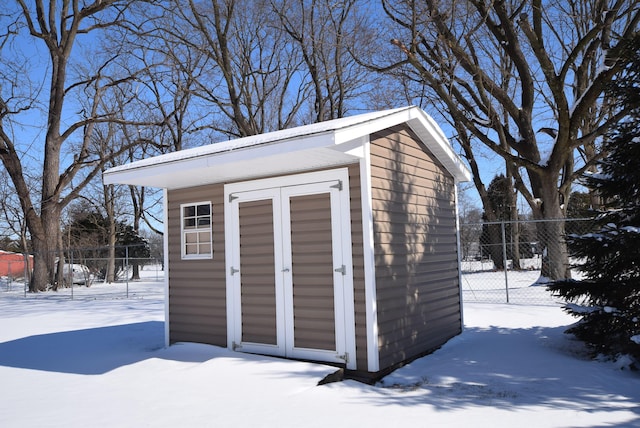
(607, 299)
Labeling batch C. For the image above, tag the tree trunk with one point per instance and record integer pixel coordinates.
(555, 260)
(110, 274)
(514, 230)
(515, 244)
(41, 259)
(494, 244)
(45, 247)
(109, 204)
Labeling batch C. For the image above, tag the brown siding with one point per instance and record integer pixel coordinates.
(418, 299)
(197, 288)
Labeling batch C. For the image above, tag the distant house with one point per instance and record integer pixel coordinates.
(13, 264)
(332, 242)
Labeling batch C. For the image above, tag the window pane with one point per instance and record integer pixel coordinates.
(191, 249)
(190, 222)
(189, 211)
(191, 238)
(205, 248)
(204, 221)
(204, 210)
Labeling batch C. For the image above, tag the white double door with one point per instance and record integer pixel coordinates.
(289, 279)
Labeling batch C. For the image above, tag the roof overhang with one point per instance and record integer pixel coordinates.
(326, 144)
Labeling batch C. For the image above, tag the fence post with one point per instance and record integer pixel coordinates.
(504, 260)
(126, 258)
(9, 276)
(70, 271)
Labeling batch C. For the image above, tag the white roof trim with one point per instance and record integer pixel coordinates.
(319, 145)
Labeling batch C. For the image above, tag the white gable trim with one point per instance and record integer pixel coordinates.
(165, 245)
(322, 145)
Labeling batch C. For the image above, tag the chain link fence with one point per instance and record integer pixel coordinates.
(90, 273)
(502, 262)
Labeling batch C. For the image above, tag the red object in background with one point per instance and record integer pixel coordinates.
(12, 264)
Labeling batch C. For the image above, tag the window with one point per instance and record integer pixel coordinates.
(197, 240)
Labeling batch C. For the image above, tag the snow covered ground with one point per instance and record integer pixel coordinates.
(98, 361)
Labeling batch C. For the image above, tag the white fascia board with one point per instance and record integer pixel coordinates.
(165, 246)
(366, 128)
(158, 174)
(147, 175)
(423, 125)
(433, 137)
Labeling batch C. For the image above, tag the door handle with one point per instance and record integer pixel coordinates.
(285, 270)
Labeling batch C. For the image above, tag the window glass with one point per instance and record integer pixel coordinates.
(197, 239)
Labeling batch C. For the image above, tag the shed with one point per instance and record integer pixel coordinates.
(15, 264)
(333, 242)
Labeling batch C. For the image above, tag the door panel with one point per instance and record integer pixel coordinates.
(257, 272)
(290, 292)
(312, 272)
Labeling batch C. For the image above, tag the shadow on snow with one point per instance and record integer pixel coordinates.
(96, 351)
(91, 351)
(510, 368)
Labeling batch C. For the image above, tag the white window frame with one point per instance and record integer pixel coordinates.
(195, 230)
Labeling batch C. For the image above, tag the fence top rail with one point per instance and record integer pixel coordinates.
(549, 220)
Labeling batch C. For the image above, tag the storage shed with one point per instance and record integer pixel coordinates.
(15, 264)
(332, 242)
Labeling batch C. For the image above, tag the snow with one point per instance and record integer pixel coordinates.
(99, 360)
(580, 309)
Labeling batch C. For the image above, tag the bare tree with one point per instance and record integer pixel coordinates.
(246, 74)
(60, 29)
(524, 79)
(327, 33)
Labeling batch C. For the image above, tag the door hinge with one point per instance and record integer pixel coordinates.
(338, 185)
(232, 197)
(342, 270)
(232, 270)
(235, 346)
(344, 357)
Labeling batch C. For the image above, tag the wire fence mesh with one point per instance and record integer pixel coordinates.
(89, 273)
(503, 262)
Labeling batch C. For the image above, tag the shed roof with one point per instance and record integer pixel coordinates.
(320, 145)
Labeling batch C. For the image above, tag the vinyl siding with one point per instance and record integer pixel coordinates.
(418, 299)
(197, 302)
(197, 288)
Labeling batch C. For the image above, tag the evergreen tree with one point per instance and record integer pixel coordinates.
(491, 237)
(498, 193)
(608, 298)
(87, 236)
